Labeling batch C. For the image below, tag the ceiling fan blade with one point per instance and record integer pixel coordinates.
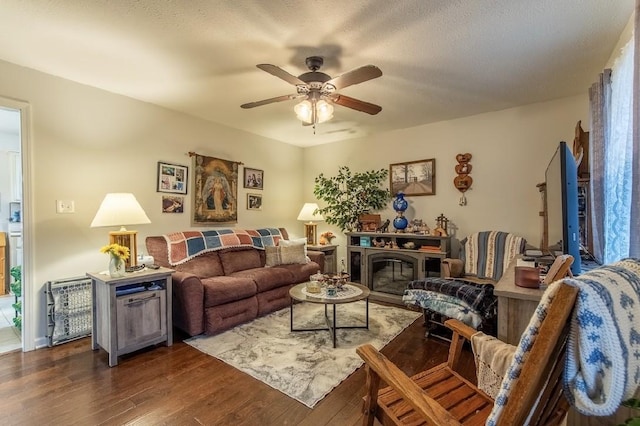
(271, 100)
(280, 73)
(356, 104)
(356, 76)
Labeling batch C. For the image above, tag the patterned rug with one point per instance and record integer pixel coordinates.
(304, 365)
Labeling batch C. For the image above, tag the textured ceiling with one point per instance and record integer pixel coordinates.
(441, 59)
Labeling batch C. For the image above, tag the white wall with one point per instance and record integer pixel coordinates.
(510, 148)
(87, 142)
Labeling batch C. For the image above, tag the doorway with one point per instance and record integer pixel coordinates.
(11, 226)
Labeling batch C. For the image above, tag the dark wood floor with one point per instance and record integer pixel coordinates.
(178, 385)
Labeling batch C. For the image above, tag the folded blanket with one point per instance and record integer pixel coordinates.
(493, 358)
(183, 246)
(479, 297)
(449, 306)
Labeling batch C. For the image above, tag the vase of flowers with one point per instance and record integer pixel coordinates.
(117, 255)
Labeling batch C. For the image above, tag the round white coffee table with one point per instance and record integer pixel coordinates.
(352, 293)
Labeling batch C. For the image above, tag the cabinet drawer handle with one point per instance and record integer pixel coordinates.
(138, 301)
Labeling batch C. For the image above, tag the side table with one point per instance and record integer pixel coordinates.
(516, 305)
(330, 257)
(131, 312)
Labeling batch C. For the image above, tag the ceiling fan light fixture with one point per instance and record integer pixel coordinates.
(304, 111)
(324, 111)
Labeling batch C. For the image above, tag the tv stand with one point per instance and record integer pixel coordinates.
(386, 262)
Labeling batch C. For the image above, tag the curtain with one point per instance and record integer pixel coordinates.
(615, 156)
(634, 243)
(600, 99)
(619, 159)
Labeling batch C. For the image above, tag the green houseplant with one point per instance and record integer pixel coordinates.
(347, 195)
(16, 289)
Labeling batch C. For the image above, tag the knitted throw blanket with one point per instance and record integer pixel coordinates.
(603, 349)
(183, 246)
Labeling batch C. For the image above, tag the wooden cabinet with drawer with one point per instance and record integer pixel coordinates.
(132, 312)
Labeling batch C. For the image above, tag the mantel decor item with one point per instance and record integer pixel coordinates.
(172, 178)
(400, 205)
(463, 181)
(120, 209)
(413, 178)
(348, 195)
(441, 226)
(309, 213)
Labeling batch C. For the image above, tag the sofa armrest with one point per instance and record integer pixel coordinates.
(452, 268)
(318, 257)
(188, 303)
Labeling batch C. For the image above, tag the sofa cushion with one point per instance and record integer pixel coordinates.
(239, 259)
(301, 273)
(204, 266)
(221, 290)
(285, 255)
(224, 317)
(267, 278)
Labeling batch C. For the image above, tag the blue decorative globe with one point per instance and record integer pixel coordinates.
(400, 222)
(400, 204)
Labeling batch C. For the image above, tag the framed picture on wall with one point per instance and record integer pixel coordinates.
(172, 178)
(253, 178)
(172, 204)
(413, 177)
(254, 201)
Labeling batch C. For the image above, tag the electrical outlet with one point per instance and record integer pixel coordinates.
(65, 206)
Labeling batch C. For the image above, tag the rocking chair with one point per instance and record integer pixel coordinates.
(441, 396)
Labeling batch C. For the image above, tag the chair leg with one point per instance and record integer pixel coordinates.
(371, 398)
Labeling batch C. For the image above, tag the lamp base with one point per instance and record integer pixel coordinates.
(126, 239)
(310, 231)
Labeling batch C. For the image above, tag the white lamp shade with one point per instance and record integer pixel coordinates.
(119, 209)
(307, 213)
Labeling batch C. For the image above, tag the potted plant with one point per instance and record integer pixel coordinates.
(348, 195)
(16, 289)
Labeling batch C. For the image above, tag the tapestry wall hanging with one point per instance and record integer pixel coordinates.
(215, 198)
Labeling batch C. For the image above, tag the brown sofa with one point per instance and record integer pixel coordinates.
(218, 290)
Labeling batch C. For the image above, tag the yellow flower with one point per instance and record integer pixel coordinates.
(117, 251)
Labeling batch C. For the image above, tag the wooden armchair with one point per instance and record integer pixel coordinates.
(440, 396)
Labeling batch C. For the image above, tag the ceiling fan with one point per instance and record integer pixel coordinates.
(318, 91)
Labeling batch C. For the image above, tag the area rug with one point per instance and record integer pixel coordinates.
(304, 365)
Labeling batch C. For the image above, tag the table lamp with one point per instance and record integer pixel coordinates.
(119, 209)
(308, 213)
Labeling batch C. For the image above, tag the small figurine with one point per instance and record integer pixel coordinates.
(326, 237)
(384, 227)
(378, 242)
(441, 226)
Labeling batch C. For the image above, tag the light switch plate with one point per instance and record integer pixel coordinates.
(65, 206)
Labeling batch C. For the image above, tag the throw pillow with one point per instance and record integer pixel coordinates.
(294, 242)
(280, 255)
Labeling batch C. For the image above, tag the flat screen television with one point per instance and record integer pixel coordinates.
(561, 179)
